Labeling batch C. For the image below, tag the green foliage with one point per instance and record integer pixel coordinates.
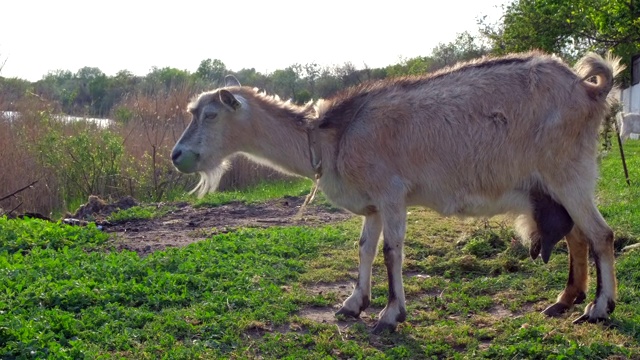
(285, 81)
(260, 192)
(90, 92)
(569, 28)
(24, 235)
(85, 164)
(165, 79)
(138, 213)
(196, 301)
(12, 90)
(465, 47)
(484, 243)
(618, 201)
(212, 72)
(122, 114)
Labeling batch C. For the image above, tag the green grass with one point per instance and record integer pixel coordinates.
(195, 300)
(23, 236)
(472, 291)
(258, 193)
(619, 202)
(139, 213)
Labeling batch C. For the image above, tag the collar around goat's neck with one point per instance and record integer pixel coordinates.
(315, 150)
(315, 157)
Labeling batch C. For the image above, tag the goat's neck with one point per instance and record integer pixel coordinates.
(280, 143)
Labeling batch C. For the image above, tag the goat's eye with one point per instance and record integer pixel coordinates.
(210, 116)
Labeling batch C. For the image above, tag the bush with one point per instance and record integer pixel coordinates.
(86, 161)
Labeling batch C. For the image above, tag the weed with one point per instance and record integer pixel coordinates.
(139, 213)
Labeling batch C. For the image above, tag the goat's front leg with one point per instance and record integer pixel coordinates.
(361, 296)
(394, 228)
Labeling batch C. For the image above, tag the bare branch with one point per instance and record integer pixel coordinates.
(19, 191)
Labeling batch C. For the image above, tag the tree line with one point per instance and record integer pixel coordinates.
(89, 91)
(568, 29)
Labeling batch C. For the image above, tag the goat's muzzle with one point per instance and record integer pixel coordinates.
(186, 161)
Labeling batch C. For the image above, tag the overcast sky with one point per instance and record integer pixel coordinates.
(40, 36)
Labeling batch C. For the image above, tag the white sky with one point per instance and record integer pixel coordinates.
(38, 36)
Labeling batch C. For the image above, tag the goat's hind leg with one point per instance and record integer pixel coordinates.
(361, 296)
(599, 236)
(602, 251)
(577, 282)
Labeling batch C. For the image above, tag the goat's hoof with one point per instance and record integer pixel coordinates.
(348, 313)
(555, 310)
(580, 298)
(382, 327)
(581, 319)
(586, 318)
(593, 316)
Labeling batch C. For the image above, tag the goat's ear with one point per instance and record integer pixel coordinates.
(229, 100)
(231, 80)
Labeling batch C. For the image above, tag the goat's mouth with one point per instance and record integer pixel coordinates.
(186, 161)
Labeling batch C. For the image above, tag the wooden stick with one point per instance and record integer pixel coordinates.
(624, 162)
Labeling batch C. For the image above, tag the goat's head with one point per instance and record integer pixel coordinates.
(205, 143)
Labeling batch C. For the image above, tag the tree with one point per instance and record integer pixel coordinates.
(92, 86)
(311, 74)
(119, 86)
(58, 86)
(569, 28)
(326, 84)
(12, 90)
(465, 47)
(211, 71)
(284, 82)
(166, 78)
(251, 77)
(414, 66)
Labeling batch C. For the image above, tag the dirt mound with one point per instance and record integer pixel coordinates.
(97, 208)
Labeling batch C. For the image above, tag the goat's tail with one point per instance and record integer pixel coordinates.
(604, 70)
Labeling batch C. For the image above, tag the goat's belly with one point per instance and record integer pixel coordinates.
(475, 205)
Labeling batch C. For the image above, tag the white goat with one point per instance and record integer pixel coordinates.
(513, 134)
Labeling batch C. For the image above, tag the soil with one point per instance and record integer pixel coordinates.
(187, 224)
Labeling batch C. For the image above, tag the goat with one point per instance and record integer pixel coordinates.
(628, 123)
(514, 134)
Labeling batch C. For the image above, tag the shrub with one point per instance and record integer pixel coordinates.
(83, 157)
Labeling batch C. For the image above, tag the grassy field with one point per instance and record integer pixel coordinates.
(472, 290)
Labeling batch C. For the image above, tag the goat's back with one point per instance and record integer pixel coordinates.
(487, 126)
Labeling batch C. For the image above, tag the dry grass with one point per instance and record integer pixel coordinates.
(149, 126)
(20, 168)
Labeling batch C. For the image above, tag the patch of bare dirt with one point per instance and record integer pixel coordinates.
(499, 312)
(187, 224)
(326, 314)
(341, 289)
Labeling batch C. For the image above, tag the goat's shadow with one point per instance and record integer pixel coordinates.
(624, 326)
(361, 329)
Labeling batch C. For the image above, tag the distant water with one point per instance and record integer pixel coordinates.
(13, 115)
